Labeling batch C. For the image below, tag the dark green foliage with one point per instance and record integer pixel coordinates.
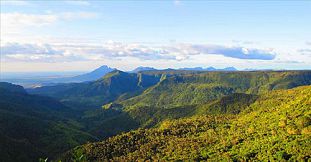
(35, 126)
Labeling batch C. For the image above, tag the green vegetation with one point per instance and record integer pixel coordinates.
(184, 94)
(90, 95)
(276, 127)
(189, 89)
(35, 126)
(176, 115)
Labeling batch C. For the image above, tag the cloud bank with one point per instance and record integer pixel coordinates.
(115, 50)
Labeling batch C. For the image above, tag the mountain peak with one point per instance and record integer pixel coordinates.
(115, 72)
(95, 74)
(103, 68)
(142, 68)
(230, 69)
(209, 69)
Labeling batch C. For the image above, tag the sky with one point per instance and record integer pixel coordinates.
(82, 35)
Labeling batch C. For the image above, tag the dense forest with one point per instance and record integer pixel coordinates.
(164, 115)
(275, 127)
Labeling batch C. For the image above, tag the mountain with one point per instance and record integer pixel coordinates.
(179, 95)
(32, 80)
(46, 121)
(209, 69)
(91, 76)
(228, 69)
(94, 94)
(141, 68)
(251, 69)
(35, 126)
(5, 86)
(191, 89)
(275, 127)
(194, 69)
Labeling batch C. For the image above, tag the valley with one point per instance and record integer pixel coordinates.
(199, 115)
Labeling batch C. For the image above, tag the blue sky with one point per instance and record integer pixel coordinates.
(80, 35)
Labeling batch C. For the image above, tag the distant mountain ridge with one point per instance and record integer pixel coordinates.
(99, 92)
(100, 72)
(93, 75)
(142, 68)
(46, 80)
(209, 69)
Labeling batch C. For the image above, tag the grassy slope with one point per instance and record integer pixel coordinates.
(275, 127)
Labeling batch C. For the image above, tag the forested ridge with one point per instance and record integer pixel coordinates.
(275, 127)
(164, 115)
(33, 126)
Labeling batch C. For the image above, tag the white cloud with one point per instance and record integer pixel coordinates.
(16, 48)
(115, 50)
(17, 23)
(231, 51)
(18, 56)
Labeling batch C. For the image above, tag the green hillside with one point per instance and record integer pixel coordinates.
(189, 89)
(275, 127)
(185, 94)
(96, 93)
(35, 126)
(53, 119)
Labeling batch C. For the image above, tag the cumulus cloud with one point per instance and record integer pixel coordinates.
(16, 48)
(236, 52)
(115, 50)
(30, 52)
(184, 51)
(14, 23)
